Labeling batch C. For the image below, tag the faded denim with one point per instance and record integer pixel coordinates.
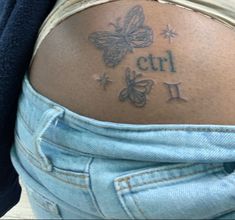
(75, 167)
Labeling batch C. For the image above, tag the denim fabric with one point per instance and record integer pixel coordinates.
(75, 167)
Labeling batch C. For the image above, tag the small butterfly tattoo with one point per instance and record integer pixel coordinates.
(133, 34)
(136, 91)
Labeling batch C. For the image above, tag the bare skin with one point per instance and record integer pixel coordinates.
(187, 77)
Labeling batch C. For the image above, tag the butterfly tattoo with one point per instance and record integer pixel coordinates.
(132, 34)
(136, 91)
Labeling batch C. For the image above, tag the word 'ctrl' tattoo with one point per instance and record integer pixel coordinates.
(132, 34)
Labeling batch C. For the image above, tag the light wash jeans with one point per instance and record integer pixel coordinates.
(75, 167)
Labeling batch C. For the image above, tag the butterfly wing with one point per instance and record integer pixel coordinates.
(144, 86)
(137, 98)
(143, 37)
(139, 36)
(104, 39)
(113, 55)
(138, 93)
(123, 95)
(112, 44)
(134, 20)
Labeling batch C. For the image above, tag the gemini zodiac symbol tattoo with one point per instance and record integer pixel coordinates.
(132, 34)
(136, 91)
(104, 80)
(174, 92)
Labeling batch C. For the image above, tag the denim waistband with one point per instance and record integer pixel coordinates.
(149, 142)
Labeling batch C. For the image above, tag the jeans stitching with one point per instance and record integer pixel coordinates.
(224, 130)
(81, 176)
(57, 169)
(125, 207)
(223, 213)
(32, 158)
(159, 169)
(92, 194)
(64, 147)
(137, 205)
(167, 179)
(49, 141)
(55, 206)
(61, 145)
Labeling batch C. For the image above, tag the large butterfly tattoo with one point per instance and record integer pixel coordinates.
(133, 34)
(136, 91)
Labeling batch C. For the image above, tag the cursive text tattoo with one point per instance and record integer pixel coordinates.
(136, 91)
(132, 34)
(174, 92)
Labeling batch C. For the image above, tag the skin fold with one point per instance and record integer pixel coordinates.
(140, 62)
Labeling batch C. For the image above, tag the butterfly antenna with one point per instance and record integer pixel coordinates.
(118, 21)
(117, 25)
(112, 24)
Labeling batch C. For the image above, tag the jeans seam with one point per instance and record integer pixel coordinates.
(82, 176)
(33, 159)
(219, 130)
(92, 194)
(164, 180)
(137, 206)
(223, 213)
(159, 169)
(64, 146)
(61, 146)
(57, 213)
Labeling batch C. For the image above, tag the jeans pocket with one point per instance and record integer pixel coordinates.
(179, 191)
(42, 206)
(69, 176)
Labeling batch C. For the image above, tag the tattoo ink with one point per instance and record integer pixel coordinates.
(141, 63)
(157, 64)
(136, 91)
(152, 62)
(104, 80)
(174, 92)
(132, 34)
(171, 61)
(169, 33)
(161, 63)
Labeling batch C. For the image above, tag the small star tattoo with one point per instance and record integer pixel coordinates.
(104, 80)
(169, 33)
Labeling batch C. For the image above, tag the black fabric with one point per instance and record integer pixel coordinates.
(20, 21)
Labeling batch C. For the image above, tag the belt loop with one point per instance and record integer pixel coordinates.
(48, 117)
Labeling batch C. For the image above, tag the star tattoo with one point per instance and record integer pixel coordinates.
(169, 33)
(104, 80)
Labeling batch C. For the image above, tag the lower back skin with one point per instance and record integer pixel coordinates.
(156, 64)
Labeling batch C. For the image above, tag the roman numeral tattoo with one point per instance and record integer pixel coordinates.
(174, 92)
